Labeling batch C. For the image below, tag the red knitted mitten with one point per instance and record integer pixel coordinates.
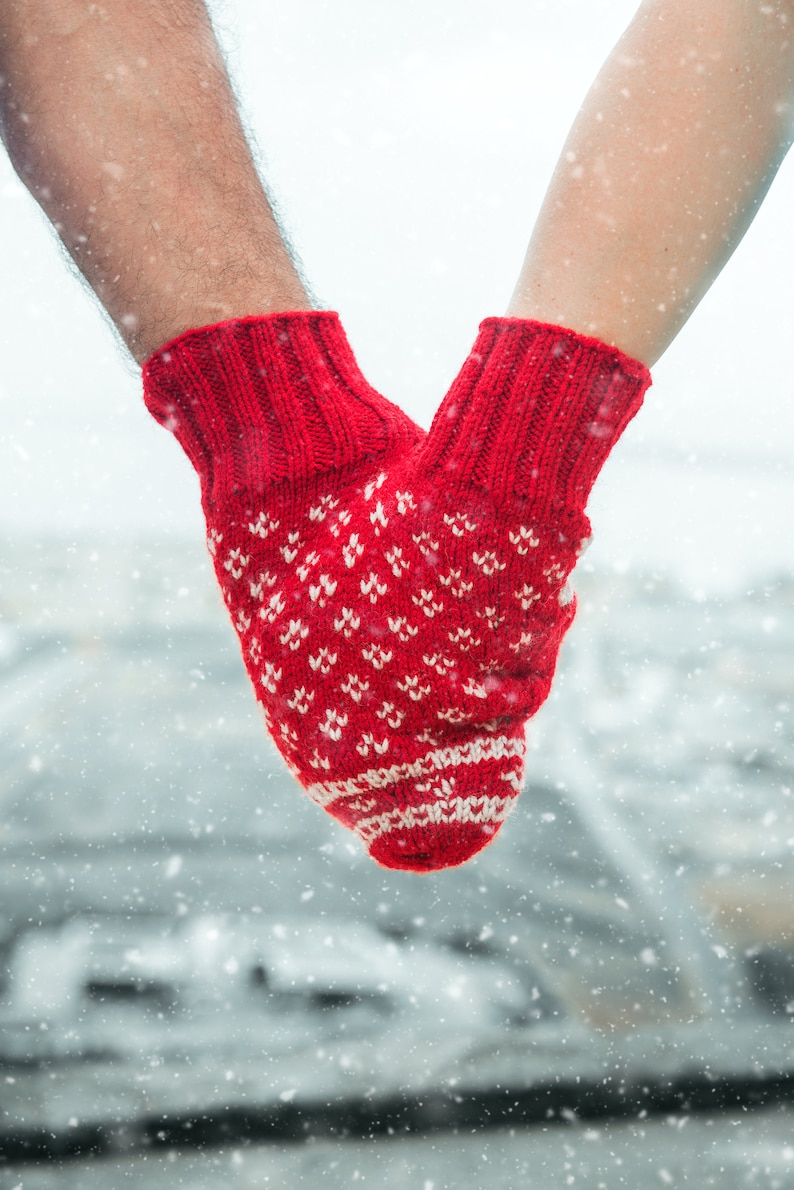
(400, 598)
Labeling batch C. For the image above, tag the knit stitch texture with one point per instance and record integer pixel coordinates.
(400, 597)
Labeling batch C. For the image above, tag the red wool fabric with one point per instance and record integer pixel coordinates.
(400, 597)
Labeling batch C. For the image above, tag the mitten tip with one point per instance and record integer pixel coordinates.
(422, 852)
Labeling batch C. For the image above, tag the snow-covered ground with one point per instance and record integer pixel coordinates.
(726, 1152)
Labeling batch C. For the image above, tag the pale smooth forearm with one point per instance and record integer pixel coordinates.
(663, 171)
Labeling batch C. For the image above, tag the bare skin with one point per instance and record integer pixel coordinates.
(663, 171)
(120, 119)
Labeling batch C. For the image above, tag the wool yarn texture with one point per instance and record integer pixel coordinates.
(400, 596)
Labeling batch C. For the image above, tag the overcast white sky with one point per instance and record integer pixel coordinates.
(409, 146)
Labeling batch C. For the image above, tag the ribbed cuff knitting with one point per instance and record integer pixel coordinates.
(534, 413)
(266, 400)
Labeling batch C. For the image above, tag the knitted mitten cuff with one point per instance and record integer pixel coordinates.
(271, 400)
(533, 415)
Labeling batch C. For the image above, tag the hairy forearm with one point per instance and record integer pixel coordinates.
(663, 171)
(120, 119)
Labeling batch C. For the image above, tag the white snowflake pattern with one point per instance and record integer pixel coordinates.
(323, 661)
(369, 743)
(426, 601)
(459, 523)
(236, 562)
(289, 737)
(378, 518)
(524, 539)
(456, 583)
(301, 700)
(362, 805)
(355, 687)
(398, 564)
(290, 551)
(371, 488)
(405, 502)
(555, 573)
(263, 526)
(442, 665)
(377, 656)
(475, 689)
(412, 686)
(522, 643)
(527, 596)
(392, 714)
(488, 562)
(307, 564)
(464, 638)
(323, 590)
(454, 715)
(275, 607)
(347, 623)
(343, 519)
(270, 677)
(352, 551)
(512, 778)
(427, 545)
(319, 512)
(373, 587)
(257, 586)
(491, 617)
(440, 791)
(295, 634)
(400, 626)
(334, 725)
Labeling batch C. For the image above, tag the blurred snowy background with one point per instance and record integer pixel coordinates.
(156, 919)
